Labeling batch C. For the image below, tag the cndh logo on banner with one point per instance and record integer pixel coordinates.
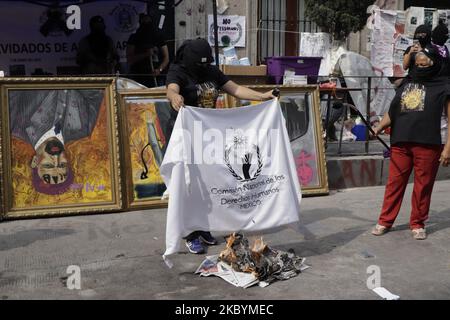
(246, 159)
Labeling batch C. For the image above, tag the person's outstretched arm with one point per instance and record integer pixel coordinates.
(384, 123)
(245, 93)
(173, 94)
(165, 62)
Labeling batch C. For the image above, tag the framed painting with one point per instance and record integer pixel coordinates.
(59, 146)
(301, 108)
(147, 121)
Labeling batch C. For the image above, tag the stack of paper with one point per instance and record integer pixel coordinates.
(291, 78)
(212, 267)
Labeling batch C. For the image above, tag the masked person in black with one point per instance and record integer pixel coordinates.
(422, 39)
(96, 53)
(143, 50)
(439, 37)
(193, 81)
(415, 118)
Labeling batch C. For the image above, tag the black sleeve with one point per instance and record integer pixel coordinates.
(160, 41)
(174, 75)
(221, 78)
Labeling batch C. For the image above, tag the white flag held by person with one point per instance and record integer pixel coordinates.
(229, 170)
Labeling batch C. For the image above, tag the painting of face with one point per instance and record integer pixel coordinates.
(62, 148)
(51, 162)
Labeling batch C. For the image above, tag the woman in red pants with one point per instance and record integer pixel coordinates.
(415, 120)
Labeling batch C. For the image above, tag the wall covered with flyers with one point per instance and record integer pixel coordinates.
(392, 33)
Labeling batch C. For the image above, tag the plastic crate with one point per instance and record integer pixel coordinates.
(301, 65)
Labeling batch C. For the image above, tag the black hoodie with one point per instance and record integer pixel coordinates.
(199, 81)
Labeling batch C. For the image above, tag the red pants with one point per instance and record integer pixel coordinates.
(404, 157)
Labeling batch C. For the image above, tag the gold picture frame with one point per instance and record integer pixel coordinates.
(59, 141)
(144, 113)
(301, 107)
(143, 144)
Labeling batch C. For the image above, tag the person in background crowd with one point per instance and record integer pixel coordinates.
(193, 81)
(439, 37)
(415, 119)
(422, 38)
(96, 53)
(142, 52)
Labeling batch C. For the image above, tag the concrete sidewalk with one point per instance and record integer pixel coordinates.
(120, 255)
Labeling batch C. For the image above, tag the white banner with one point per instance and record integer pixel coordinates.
(231, 30)
(415, 16)
(229, 170)
(317, 45)
(383, 37)
(314, 44)
(34, 37)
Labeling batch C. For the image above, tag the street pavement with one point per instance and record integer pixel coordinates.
(119, 255)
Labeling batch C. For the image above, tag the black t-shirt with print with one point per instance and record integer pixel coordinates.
(416, 111)
(199, 91)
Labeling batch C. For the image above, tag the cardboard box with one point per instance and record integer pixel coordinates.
(238, 70)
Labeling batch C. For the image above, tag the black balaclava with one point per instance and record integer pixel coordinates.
(440, 34)
(423, 34)
(197, 56)
(427, 73)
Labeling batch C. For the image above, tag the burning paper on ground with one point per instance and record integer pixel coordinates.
(212, 267)
(244, 266)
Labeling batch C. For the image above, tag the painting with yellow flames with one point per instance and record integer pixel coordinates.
(59, 147)
(149, 122)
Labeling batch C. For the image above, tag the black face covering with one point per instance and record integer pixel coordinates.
(423, 34)
(427, 73)
(440, 34)
(422, 74)
(197, 55)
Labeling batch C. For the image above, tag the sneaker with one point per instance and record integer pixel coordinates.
(207, 238)
(379, 230)
(419, 234)
(195, 246)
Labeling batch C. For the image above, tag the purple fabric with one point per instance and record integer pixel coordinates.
(51, 189)
(442, 50)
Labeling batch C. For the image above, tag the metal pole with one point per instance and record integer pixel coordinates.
(327, 118)
(216, 35)
(369, 89)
